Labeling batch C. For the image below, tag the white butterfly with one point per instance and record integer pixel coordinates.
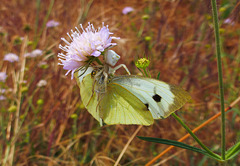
(127, 99)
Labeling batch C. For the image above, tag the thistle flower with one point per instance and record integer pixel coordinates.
(11, 57)
(3, 76)
(89, 43)
(52, 23)
(127, 10)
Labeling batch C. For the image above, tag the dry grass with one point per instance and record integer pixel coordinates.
(181, 49)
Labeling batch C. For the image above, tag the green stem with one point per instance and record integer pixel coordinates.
(145, 72)
(84, 11)
(141, 29)
(98, 61)
(194, 136)
(220, 79)
(37, 20)
(140, 71)
(44, 23)
(19, 103)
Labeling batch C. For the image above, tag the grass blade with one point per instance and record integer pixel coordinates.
(233, 151)
(180, 145)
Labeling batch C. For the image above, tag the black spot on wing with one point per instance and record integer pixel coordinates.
(147, 105)
(157, 98)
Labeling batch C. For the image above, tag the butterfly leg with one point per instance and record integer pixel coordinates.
(113, 70)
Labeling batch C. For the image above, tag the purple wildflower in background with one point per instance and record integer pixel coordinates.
(229, 21)
(10, 57)
(3, 76)
(2, 91)
(34, 53)
(52, 23)
(27, 55)
(127, 10)
(90, 42)
(2, 97)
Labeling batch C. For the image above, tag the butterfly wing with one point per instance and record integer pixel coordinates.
(89, 99)
(119, 106)
(161, 98)
(116, 106)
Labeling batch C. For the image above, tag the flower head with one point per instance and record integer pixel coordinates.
(127, 10)
(3, 76)
(11, 57)
(42, 83)
(89, 43)
(2, 91)
(142, 63)
(2, 97)
(52, 23)
(27, 54)
(34, 53)
(229, 21)
(12, 108)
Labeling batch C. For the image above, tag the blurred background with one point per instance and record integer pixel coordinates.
(54, 128)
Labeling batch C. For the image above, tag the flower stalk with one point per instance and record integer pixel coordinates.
(220, 79)
(20, 77)
(194, 136)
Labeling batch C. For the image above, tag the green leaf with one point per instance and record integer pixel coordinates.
(180, 145)
(233, 151)
(158, 76)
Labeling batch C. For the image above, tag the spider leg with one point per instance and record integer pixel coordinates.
(105, 81)
(93, 85)
(95, 79)
(113, 70)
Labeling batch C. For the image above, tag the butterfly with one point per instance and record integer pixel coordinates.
(127, 99)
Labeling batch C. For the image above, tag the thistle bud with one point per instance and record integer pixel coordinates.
(142, 63)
